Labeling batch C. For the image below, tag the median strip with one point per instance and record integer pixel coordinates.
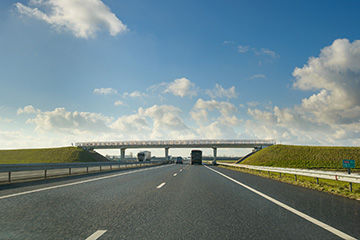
(300, 214)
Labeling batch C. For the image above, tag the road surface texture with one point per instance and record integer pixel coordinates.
(173, 202)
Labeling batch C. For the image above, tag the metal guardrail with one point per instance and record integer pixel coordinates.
(332, 175)
(10, 168)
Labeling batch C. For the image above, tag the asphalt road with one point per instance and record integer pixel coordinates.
(173, 202)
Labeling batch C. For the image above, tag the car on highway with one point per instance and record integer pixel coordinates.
(179, 160)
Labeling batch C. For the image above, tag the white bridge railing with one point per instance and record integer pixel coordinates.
(176, 143)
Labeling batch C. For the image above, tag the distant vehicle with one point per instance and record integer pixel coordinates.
(179, 160)
(196, 157)
(144, 156)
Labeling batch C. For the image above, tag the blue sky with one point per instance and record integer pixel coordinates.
(76, 70)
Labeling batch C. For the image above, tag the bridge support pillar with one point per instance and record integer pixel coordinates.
(122, 154)
(215, 152)
(166, 153)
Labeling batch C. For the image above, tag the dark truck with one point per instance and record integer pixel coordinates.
(196, 157)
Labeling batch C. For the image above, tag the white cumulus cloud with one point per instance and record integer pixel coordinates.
(135, 94)
(263, 51)
(243, 49)
(225, 108)
(60, 120)
(335, 74)
(220, 92)
(267, 52)
(257, 76)
(27, 109)
(119, 103)
(133, 124)
(105, 91)
(331, 115)
(217, 130)
(166, 122)
(223, 126)
(82, 18)
(181, 87)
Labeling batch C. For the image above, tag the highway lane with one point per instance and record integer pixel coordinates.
(72, 211)
(171, 202)
(336, 211)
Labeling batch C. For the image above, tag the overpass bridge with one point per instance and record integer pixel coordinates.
(167, 144)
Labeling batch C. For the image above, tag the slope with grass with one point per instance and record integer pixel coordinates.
(49, 155)
(304, 157)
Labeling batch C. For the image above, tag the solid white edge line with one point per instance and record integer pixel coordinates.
(76, 183)
(161, 185)
(96, 235)
(300, 214)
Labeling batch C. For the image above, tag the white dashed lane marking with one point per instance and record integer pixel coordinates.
(96, 235)
(161, 185)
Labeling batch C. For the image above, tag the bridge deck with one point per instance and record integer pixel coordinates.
(177, 144)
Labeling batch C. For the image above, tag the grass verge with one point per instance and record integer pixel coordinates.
(325, 185)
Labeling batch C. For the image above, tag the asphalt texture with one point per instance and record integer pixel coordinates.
(194, 203)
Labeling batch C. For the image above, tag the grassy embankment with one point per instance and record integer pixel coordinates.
(308, 157)
(48, 155)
